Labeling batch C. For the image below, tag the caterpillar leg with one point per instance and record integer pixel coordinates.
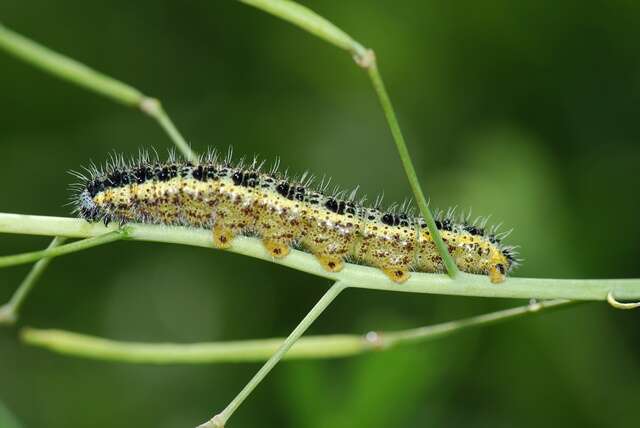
(497, 273)
(277, 249)
(222, 237)
(396, 274)
(330, 263)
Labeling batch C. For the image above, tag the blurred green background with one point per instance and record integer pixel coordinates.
(524, 110)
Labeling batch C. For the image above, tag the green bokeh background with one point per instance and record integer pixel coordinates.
(525, 110)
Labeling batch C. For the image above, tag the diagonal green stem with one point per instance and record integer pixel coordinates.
(55, 251)
(431, 332)
(387, 107)
(315, 24)
(153, 108)
(310, 21)
(77, 73)
(310, 347)
(219, 420)
(9, 311)
(67, 68)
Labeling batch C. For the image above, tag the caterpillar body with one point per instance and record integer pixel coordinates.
(234, 199)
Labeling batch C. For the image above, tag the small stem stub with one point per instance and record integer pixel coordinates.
(7, 315)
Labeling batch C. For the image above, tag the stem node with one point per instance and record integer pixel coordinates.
(365, 59)
(375, 340)
(216, 422)
(150, 106)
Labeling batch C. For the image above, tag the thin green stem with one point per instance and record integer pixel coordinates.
(352, 275)
(219, 420)
(77, 73)
(310, 347)
(153, 108)
(9, 311)
(387, 107)
(55, 251)
(310, 21)
(421, 334)
(68, 69)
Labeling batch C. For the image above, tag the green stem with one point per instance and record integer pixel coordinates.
(310, 21)
(55, 251)
(153, 108)
(9, 311)
(352, 275)
(219, 420)
(310, 347)
(68, 69)
(388, 340)
(387, 107)
(77, 73)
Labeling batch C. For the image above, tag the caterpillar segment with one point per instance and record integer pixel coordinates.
(233, 200)
(278, 223)
(390, 248)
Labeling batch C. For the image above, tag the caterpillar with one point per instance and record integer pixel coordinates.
(234, 199)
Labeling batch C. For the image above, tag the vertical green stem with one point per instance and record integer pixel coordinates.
(10, 310)
(219, 420)
(372, 68)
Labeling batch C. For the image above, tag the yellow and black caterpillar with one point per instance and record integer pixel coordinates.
(233, 200)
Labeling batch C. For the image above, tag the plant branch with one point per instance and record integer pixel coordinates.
(352, 275)
(77, 73)
(9, 311)
(421, 334)
(55, 251)
(219, 420)
(315, 24)
(310, 347)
